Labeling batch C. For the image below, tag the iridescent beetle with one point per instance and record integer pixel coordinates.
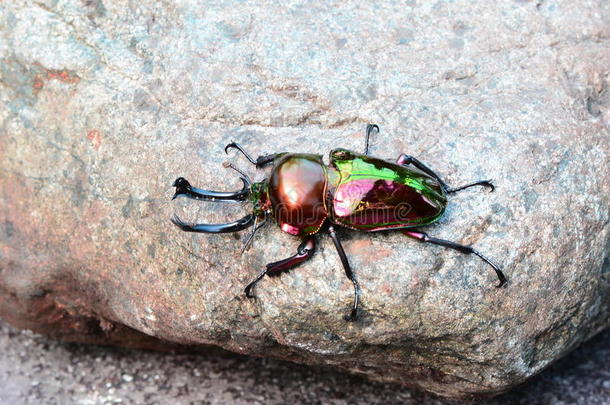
(357, 191)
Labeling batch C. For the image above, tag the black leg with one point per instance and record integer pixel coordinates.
(486, 183)
(260, 161)
(405, 160)
(304, 252)
(348, 272)
(422, 236)
(369, 129)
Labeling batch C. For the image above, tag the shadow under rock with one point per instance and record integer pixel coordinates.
(135, 376)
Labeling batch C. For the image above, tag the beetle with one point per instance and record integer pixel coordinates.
(304, 196)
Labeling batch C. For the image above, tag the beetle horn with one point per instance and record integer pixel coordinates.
(235, 226)
(184, 189)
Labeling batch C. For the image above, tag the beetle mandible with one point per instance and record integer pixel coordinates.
(357, 191)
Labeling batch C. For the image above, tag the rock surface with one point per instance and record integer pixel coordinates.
(104, 104)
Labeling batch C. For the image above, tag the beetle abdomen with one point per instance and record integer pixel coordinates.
(374, 194)
(297, 187)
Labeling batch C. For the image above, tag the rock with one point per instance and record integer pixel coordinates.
(105, 104)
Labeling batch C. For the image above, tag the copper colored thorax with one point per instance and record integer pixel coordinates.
(297, 190)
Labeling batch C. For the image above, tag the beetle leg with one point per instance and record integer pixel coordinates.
(486, 183)
(348, 272)
(265, 160)
(304, 252)
(422, 236)
(405, 160)
(369, 130)
(250, 237)
(235, 226)
(260, 161)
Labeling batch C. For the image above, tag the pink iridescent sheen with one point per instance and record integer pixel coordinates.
(376, 204)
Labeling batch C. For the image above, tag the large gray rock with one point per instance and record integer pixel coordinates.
(105, 103)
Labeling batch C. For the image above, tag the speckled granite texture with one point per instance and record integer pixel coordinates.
(37, 371)
(104, 103)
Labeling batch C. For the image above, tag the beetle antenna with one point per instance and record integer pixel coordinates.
(250, 237)
(244, 176)
(230, 165)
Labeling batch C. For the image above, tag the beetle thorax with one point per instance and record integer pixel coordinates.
(297, 188)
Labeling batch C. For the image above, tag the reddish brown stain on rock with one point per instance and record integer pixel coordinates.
(64, 76)
(95, 137)
(38, 84)
(386, 288)
(368, 253)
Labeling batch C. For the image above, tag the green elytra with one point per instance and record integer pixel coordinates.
(356, 191)
(375, 190)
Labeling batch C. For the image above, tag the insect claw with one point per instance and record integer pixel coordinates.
(229, 146)
(234, 145)
(499, 273)
(180, 223)
(248, 292)
(489, 184)
(352, 317)
(503, 280)
(249, 287)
